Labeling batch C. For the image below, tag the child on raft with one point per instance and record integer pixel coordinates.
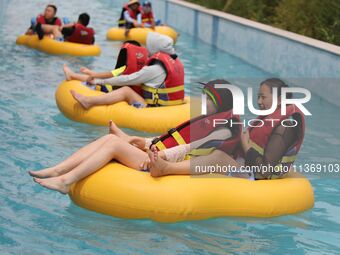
(261, 147)
(148, 19)
(131, 16)
(162, 79)
(131, 58)
(130, 151)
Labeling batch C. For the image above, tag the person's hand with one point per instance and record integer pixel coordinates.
(245, 140)
(29, 32)
(90, 80)
(137, 141)
(135, 23)
(145, 164)
(161, 154)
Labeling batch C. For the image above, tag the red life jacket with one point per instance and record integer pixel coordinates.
(55, 21)
(82, 34)
(171, 92)
(134, 58)
(147, 18)
(133, 14)
(199, 128)
(259, 136)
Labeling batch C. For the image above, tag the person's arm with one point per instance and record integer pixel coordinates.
(279, 142)
(153, 22)
(139, 19)
(103, 75)
(145, 75)
(69, 25)
(128, 18)
(144, 144)
(177, 153)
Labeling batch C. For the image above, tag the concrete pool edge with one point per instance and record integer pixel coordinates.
(282, 53)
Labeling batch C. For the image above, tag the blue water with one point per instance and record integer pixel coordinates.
(34, 135)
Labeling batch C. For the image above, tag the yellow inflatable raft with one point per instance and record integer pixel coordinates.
(139, 34)
(51, 46)
(123, 192)
(153, 119)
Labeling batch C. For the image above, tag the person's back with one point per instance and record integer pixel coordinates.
(80, 33)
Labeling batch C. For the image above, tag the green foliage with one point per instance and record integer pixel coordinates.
(319, 19)
(314, 18)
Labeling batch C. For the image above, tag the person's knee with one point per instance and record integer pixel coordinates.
(127, 90)
(219, 154)
(108, 136)
(113, 139)
(127, 93)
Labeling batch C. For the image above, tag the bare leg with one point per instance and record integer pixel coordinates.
(119, 95)
(52, 29)
(56, 32)
(70, 75)
(114, 148)
(72, 161)
(160, 167)
(48, 29)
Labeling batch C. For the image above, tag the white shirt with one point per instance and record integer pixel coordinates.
(151, 76)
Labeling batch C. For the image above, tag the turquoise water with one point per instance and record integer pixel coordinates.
(34, 135)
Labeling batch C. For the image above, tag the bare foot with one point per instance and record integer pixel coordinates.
(113, 129)
(68, 72)
(82, 100)
(85, 70)
(157, 165)
(126, 33)
(45, 173)
(54, 183)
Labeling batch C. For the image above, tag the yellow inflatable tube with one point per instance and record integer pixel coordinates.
(139, 34)
(153, 119)
(123, 192)
(54, 47)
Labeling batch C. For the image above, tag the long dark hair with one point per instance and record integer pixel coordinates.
(276, 83)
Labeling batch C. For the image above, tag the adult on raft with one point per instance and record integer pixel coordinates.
(47, 18)
(262, 147)
(162, 79)
(76, 32)
(131, 150)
